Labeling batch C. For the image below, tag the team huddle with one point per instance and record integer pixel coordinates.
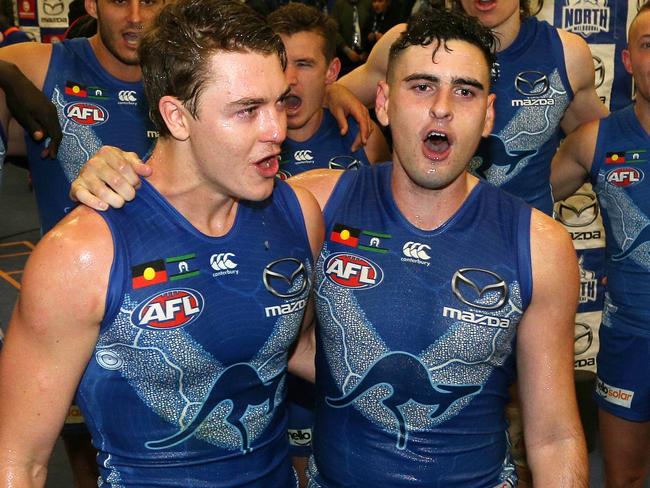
(259, 247)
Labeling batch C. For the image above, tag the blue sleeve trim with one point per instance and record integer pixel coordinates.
(524, 258)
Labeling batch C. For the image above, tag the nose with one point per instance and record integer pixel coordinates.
(274, 126)
(291, 75)
(134, 13)
(441, 105)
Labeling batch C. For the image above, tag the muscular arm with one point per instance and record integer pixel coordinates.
(586, 105)
(50, 339)
(572, 161)
(376, 148)
(363, 80)
(553, 434)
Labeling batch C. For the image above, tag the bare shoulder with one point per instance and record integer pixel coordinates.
(71, 266)
(577, 58)
(551, 245)
(319, 182)
(32, 58)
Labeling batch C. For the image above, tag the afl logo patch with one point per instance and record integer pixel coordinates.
(352, 271)
(86, 113)
(625, 176)
(170, 309)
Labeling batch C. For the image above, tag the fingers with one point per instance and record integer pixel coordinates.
(94, 193)
(357, 143)
(341, 119)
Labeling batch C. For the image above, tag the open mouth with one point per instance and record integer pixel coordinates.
(437, 143)
(292, 102)
(485, 4)
(131, 38)
(269, 166)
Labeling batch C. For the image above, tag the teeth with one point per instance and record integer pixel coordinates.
(433, 134)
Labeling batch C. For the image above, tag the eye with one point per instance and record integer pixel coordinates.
(248, 112)
(465, 92)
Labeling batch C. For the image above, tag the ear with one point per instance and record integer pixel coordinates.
(489, 115)
(175, 116)
(333, 71)
(381, 103)
(91, 7)
(627, 61)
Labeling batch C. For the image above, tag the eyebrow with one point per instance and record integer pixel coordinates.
(454, 81)
(247, 102)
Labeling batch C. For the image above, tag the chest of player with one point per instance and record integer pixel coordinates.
(412, 289)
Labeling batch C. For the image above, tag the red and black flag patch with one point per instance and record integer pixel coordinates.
(147, 274)
(617, 157)
(76, 89)
(348, 236)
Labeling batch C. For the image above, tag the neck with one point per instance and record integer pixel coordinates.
(207, 208)
(507, 32)
(303, 133)
(115, 67)
(429, 209)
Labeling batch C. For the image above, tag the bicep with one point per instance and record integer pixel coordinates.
(572, 162)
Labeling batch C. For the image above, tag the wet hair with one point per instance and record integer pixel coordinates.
(175, 53)
(293, 18)
(439, 26)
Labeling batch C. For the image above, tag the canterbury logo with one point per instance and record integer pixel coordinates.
(416, 250)
(127, 96)
(222, 261)
(303, 155)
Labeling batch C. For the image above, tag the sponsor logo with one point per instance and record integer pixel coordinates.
(588, 283)
(583, 338)
(352, 271)
(599, 69)
(613, 394)
(365, 240)
(479, 288)
(127, 97)
(53, 7)
(586, 17)
(285, 278)
(184, 265)
(579, 210)
(299, 437)
(625, 176)
(283, 174)
(285, 308)
(585, 235)
(416, 252)
(153, 134)
(344, 163)
(303, 157)
(532, 83)
(86, 113)
(584, 363)
(170, 309)
(223, 264)
(630, 157)
(475, 318)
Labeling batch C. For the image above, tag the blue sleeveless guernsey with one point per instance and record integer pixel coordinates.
(95, 109)
(325, 149)
(533, 92)
(618, 175)
(415, 349)
(185, 387)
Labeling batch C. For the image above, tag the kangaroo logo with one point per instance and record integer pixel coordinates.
(256, 392)
(414, 384)
(643, 236)
(492, 150)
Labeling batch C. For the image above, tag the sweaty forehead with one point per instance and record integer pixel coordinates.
(453, 58)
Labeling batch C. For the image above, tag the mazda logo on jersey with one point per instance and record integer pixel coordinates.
(599, 68)
(479, 288)
(579, 210)
(344, 162)
(532, 83)
(285, 278)
(86, 113)
(583, 338)
(169, 309)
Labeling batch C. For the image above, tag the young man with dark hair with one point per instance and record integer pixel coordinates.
(611, 154)
(178, 316)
